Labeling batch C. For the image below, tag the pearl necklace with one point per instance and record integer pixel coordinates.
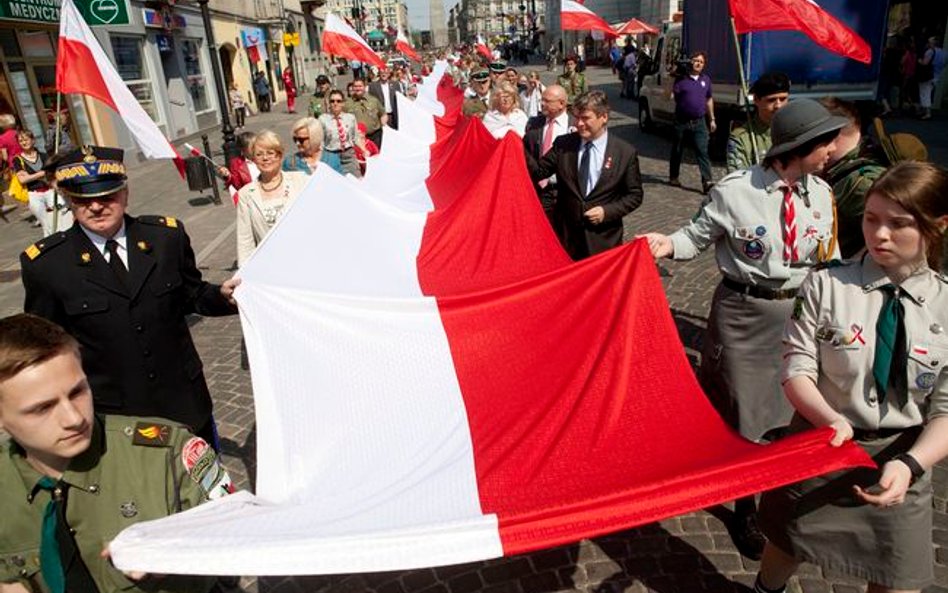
(278, 184)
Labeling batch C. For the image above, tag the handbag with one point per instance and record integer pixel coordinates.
(17, 190)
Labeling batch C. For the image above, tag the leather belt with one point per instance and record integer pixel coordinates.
(861, 434)
(760, 292)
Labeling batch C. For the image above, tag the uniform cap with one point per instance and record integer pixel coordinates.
(900, 146)
(89, 171)
(799, 122)
(770, 83)
(480, 75)
(498, 67)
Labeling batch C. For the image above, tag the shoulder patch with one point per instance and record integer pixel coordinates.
(832, 263)
(735, 175)
(40, 247)
(151, 434)
(165, 221)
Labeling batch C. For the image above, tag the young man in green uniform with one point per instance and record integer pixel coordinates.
(70, 480)
(572, 80)
(771, 92)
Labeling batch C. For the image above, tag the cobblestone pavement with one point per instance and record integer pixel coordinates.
(688, 553)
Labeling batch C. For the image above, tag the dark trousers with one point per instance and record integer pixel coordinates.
(263, 102)
(239, 114)
(376, 137)
(694, 131)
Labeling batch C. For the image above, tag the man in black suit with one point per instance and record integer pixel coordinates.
(122, 286)
(542, 131)
(384, 89)
(598, 180)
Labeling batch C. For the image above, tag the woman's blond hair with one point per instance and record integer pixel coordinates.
(267, 140)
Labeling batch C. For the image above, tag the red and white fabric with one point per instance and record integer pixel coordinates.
(403, 45)
(429, 392)
(791, 251)
(481, 47)
(576, 17)
(339, 39)
(83, 67)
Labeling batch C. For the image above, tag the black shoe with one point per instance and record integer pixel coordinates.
(674, 182)
(747, 536)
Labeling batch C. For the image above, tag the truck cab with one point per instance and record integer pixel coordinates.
(656, 103)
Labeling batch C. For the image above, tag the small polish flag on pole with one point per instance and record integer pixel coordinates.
(403, 45)
(576, 17)
(339, 39)
(481, 47)
(82, 67)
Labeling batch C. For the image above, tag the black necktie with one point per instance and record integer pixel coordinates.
(890, 360)
(115, 262)
(62, 567)
(584, 169)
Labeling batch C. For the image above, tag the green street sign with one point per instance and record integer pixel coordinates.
(96, 12)
(104, 12)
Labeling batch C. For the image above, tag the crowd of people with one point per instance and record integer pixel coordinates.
(824, 243)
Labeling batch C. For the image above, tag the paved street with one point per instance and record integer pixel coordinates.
(690, 553)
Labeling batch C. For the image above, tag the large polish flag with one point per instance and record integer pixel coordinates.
(440, 384)
(576, 17)
(339, 39)
(403, 45)
(82, 67)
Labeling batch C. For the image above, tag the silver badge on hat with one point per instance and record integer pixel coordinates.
(128, 509)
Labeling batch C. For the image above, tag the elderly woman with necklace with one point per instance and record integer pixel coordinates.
(261, 202)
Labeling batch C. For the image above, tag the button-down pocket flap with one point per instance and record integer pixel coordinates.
(748, 233)
(85, 305)
(21, 564)
(166, 284)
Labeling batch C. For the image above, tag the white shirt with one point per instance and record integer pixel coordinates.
(560, 128)
(99, 242)
(499, 124)
(597, 154)
(386, 96)
(531, 101)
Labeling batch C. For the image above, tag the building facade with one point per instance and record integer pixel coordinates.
(497, 20)
(379, 22)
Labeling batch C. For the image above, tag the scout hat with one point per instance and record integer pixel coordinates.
(799, 122)
(89, 171)
(900, 146)
(770, 83)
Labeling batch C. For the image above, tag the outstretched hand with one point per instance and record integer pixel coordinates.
(660, 245)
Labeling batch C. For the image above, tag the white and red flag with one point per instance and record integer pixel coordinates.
(437, 394)
(339, 39)
(805, 16)
(483, 49)
(82, 67)
(576, 17)
(403, 45)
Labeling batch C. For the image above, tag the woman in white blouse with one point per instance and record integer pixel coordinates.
(262, 201)
(530, 98)
(506, 114)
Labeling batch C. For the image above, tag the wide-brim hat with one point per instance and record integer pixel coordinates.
(900, 146)
(89, 171)
(799, 122)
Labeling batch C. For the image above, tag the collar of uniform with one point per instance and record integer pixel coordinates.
(917, 287)
(773, 182)
(83, 471)
(99, 241)
(841, 163)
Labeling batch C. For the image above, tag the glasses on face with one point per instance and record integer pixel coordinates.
(300, 139)
(262, 154)
(336, 101)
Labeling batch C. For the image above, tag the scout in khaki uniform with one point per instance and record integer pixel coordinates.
(748, 143)
(477, 96)
(866, 353)
(70, 480)
(769, 225)
(574, 82)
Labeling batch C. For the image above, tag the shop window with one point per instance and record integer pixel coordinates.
(9, 43)
(130, 64)
(197, 85)
(36, 44)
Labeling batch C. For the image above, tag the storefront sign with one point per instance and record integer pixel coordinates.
(164, 43)
(163, 19)
(38, 11)
(104, 12)
(252, 36)
(291, 39)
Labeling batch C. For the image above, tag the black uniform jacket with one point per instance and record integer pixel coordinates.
(618, 191)
(136, 347)
(375, 89)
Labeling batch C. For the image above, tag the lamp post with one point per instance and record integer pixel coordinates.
(227, 130)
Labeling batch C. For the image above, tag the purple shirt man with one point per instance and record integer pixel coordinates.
(691, 96)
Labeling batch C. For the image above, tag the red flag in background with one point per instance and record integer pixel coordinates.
(805, 16)
(576, 17)
(403, 45)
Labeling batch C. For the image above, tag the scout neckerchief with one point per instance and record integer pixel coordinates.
(60, 562)
(791, 252)
(889, 363)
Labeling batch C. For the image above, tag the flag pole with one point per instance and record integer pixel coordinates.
(59, 98)
(744, 92)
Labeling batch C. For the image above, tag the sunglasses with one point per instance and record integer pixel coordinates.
(336, 101)
(300, 139)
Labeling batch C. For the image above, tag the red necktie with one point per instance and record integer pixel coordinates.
(343, 139)
(547, 138)
(790, 252)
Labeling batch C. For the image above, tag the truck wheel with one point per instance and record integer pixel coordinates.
(645, 118)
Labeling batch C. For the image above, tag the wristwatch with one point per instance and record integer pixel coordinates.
(914, 466)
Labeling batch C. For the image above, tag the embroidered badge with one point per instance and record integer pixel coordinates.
(760, 231)
(797, 308)
(192, 452)
(811, 231)
(85, 258)
(151, 435)
(825, 334)
(754, 249)
(32, 251)
(856, 335)
(128, 509)
(920, 350)
(144, 246)
(925, 380)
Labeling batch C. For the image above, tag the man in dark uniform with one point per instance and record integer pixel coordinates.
(122, 286)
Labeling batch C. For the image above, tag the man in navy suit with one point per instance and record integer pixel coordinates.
(598, 180)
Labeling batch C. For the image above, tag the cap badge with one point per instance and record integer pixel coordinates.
(86, 258)
(88, 155)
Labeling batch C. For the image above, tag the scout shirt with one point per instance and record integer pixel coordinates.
(135, 469)
(367, 110)
(851, 177)
(740, 153)
(574, 84)
(831, 339)
(742, 217)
